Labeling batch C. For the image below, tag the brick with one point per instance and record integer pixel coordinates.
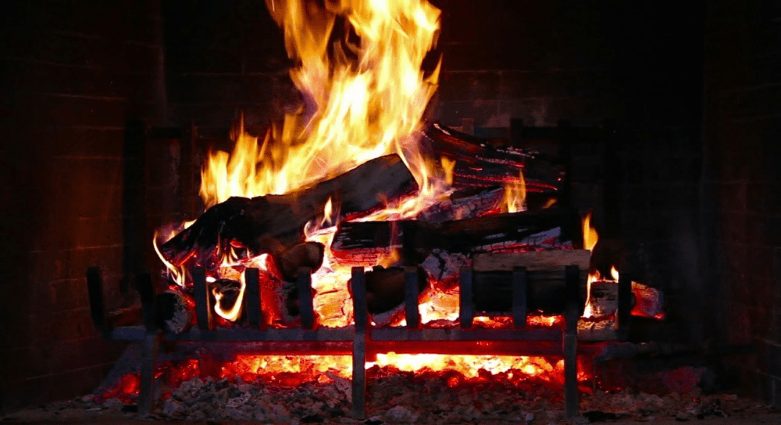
(218, 88)
(468, 86)
(48, 388)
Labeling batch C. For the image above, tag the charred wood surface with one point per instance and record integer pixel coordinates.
(273, 223)
(414, 241)
(483, 162)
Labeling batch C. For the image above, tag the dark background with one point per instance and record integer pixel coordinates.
(691, 86)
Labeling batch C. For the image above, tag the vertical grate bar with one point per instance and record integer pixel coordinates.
(466, 307)
(95, 290)
(147, 293)
(252, 300)
(306, 306)
(519, 297)
(411, 297)
(203, 308)
(361, 316)
(624, 304)
(570, 343)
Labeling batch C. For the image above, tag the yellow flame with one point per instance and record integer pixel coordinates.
(448, 165)
(365, 97)
(515, 195)
(590, 238)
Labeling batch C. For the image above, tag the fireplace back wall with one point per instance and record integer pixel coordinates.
(77, 74)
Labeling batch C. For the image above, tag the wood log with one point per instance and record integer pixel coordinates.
(465, 203)
(273, 223)
(385, 288)
(307, 254)
(357, 243)
(483, 162)
(546, 279)
(174, 311)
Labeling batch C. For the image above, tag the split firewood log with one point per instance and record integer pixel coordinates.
(273, 223)
(357, 243)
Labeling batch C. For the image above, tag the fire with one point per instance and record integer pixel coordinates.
(364, 96)
(515, 195)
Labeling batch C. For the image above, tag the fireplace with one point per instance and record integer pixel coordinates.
(685, 193)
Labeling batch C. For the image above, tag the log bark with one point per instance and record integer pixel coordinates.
(274, 223)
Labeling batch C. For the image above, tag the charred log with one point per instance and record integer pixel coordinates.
(465, 203)
(546, 282)
(308, 254)
(174, 312)
(385, 288)
(274, 223)
(413, 241)
(483, 162)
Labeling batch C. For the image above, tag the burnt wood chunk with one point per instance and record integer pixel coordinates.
(546, 282)
(306, 255)
(489, 162)
(274, 223)
(385, 288)
(370, 242)
(252, 301)
(173, 312)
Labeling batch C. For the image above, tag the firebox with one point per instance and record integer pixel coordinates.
(661, 123)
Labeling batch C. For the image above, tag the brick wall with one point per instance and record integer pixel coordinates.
(742, 185)
(73, 74)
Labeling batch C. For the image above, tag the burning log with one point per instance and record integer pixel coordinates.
(308, 254)
(357, 243)
(174, 311)
(463, 204)
(385, 288)
(478, 162)
(546, 287)
(273, 223)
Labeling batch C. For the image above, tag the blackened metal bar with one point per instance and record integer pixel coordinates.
(147, 293)
(95, 290)
(571, 375)
(519, 297)
(305, 304)
(252, 300)
(146, 397)
(360, 312)
(359, 375)
(411, 297)
(572, 291)
(466, 311)
(570, 341)
(203, 308)
(361, 317)
(624, 304)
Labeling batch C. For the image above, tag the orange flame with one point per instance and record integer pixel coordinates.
(515, 195)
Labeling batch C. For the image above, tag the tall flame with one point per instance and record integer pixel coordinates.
(590, 239)
(365, 95)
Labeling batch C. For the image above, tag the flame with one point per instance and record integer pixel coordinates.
(590, 238)
(364, 96)
(515, 195)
